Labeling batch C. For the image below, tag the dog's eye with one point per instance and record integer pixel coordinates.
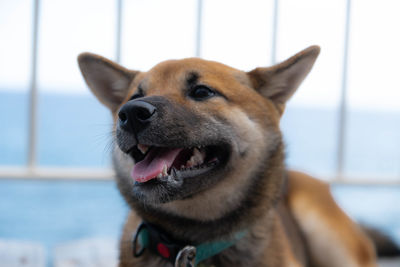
(137, 95)
(201, 92)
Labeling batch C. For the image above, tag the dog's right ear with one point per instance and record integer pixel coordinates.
(108, 81)
(280, 81)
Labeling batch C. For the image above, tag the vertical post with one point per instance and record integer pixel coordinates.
(118, 35)
(274, 32)
(198, 30)
(343, 100)
(33, 92)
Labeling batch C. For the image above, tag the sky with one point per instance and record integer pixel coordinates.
(234, 32)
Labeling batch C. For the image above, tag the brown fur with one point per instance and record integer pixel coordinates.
(291, 218)
(332, 237)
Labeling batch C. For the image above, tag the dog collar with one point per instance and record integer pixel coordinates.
(148, 236)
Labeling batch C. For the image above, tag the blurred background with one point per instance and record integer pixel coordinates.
(58, 203)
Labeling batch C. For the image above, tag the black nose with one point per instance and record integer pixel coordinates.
(135, 115)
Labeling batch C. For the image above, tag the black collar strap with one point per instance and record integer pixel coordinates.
(180, 254)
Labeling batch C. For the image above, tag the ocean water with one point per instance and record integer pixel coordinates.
(74, 131)
(54, 212)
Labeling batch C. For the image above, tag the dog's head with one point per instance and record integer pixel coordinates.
(191, 127)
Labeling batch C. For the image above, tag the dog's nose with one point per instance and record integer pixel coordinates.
(135, 114)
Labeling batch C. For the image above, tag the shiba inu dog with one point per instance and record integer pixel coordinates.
(199, 158)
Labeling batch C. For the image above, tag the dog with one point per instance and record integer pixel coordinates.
(199, 158)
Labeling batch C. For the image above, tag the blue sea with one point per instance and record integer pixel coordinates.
(74, 131)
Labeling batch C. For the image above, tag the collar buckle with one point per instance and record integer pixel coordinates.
(186, 257)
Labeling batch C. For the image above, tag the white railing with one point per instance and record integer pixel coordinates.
(33, 92)
(33, 171)
(343, 100)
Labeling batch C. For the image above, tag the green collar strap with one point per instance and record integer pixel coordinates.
(148, 236)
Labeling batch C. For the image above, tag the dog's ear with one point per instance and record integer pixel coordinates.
(280, 81)
(108, 81)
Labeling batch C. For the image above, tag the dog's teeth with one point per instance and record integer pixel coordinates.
(165, 170)
(198, 156)
(196, 152)
(203, 155)
(143, 148)
(159, 176)
(190, 162)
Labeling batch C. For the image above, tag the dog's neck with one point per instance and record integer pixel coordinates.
(261, 197)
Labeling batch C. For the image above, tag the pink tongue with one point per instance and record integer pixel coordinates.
(153, 163)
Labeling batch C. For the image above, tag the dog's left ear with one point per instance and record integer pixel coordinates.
(108, 81)
(280, 81)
